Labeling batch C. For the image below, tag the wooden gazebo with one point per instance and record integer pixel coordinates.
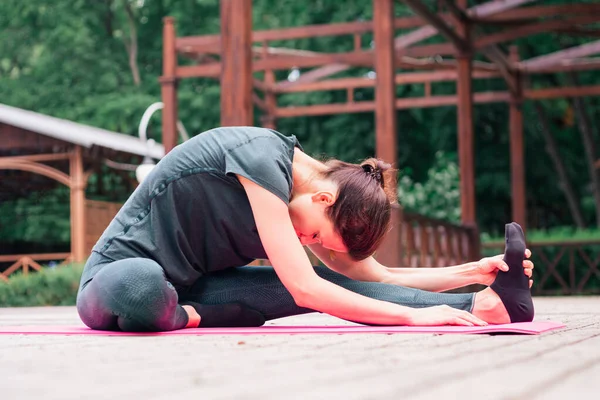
(67, 153)
(242, 52)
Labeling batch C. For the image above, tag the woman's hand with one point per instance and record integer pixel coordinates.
(443, 315)
(487, 268)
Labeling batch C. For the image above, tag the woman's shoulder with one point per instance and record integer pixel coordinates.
(237, 136)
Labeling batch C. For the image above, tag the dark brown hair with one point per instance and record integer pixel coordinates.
(361, 213)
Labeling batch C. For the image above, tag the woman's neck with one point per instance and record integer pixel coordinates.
(305, 173)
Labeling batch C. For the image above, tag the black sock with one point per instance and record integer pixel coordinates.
(226, 315)
(513, 286)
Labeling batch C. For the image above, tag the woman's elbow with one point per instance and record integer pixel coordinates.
(304, 295)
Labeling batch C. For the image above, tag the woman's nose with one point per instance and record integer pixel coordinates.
(305, 240)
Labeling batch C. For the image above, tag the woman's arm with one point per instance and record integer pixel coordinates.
(481, 272)
(293, 268)
(370, 270)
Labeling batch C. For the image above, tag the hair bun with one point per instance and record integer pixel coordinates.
(368, 168)
(375, 169)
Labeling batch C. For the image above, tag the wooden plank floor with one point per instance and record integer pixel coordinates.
(557, 365)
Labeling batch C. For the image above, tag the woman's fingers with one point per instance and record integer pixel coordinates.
(530, 283)
(471, 318)
(527, 253)
(528, 268)
(460, 321)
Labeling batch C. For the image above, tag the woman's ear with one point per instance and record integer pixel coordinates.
(324, 197)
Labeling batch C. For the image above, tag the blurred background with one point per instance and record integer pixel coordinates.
(98, 63)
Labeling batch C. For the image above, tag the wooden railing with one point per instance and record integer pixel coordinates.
(562, 267)
(429, 242)
(27, 261)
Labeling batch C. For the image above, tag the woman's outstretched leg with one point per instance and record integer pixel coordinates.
(260, 289)
(130, 295)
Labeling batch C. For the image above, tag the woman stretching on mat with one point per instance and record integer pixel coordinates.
(174, 255)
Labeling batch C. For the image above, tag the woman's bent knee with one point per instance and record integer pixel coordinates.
(130, 288)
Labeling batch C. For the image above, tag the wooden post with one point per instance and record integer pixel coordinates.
(77, 187)
(270, 101)
(385, 86)
(236, 62)
(466, 147)
(389, 253)
(517, 158)
(268, 120)
(169, 86)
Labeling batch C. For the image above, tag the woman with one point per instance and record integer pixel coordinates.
(172, 257)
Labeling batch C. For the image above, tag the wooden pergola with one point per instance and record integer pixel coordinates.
(34, 145)
(238, 53)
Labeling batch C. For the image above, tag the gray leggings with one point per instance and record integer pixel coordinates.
(134, 295)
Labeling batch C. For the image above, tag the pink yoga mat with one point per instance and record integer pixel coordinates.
(529, 328)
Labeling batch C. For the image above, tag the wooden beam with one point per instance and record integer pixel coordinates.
(355, 58)
(258, 102)
(486, 10)
(435, 101)
(169, 86)
(385, 88)
(400, 79)
(466, 148)
(517, 153)
(236, 63)
(325, 109)
(37, 157)
(426, 32)
(268, 118)
(400, 104)
(535, 12)
(492, 52)
(77, 205)
(457, 12)
(37, 168)
(555, 93)
(507, 70)
(385, 114)
(256, 51)
(198, 43)
(260, 85)
(213, 42)
(46, 256)
(495, 7)
(532, 29)
(439, 24)
(577, 64)
(270, 102)
(556, 57)
(481, 10)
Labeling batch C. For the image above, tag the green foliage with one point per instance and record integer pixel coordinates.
(50, 287)
(439, 196)
(39, 218)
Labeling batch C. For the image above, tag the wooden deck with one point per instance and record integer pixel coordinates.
(557, 365)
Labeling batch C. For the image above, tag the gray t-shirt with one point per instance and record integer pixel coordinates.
(191, 214)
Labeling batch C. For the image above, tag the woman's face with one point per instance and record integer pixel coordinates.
(312, 225)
